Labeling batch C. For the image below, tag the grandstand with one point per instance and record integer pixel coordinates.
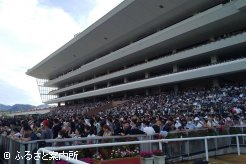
(144, 47)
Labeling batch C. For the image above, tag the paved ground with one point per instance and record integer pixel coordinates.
(225, 159)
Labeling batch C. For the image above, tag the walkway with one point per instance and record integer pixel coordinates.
(225, 159)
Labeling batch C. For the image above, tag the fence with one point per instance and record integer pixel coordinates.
(18, 149)
(205, 139)
(181, 149)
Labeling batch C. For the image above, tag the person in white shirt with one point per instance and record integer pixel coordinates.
(198, 122)
(190, 125)
(77, 135)
(177, 124)
(148, 129)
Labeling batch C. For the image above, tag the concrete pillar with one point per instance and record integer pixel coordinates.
(147, 92)
(176, 89)
(59, 104)
(95, 87)
(83, 90)
(211, 39)
(214, 59)
(175, 68)
(216, 82)
(146, 75)
(81, 101)
(108, 84)
(125, 80)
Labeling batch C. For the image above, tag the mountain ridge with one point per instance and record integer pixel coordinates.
(20, 107)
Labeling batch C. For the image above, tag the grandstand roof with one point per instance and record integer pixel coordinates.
(129, 21)
(29, 112)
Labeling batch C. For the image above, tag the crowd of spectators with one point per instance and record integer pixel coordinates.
(189, 109)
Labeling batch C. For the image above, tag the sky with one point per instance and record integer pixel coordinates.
(30, 30)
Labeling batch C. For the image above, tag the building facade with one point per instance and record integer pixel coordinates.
(146, 47)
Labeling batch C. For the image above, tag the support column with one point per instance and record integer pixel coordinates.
(82, 101)
(147, 92)
(59, 104)
(108, 84)
(146, 60)
(238, 145)
(83, 90)
(175, 68)
(95, 87)
(125, 80)
(216, 82)
(214, 59)
(146, 75)
(206, 148)
(211, 39)
(176, 89)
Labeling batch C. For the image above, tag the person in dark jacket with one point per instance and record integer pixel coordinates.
(56, 128)
(126, 128)
(134, 130)
(28, 134)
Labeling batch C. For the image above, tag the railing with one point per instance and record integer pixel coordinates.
(185, 149)
(160, 142)
(16, 148)
(63, 157)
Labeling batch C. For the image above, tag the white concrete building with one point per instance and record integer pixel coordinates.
(149, 46)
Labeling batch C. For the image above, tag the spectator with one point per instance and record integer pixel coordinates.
(190, 125)
(28, 134)
(107, 131)
(56, 128)
(134, 130)
(46, 131)
(148, 129)
(126, 128)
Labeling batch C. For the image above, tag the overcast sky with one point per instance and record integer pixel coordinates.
(30, 30)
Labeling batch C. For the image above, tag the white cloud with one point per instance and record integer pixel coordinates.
(101, 8)
(29, 32)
